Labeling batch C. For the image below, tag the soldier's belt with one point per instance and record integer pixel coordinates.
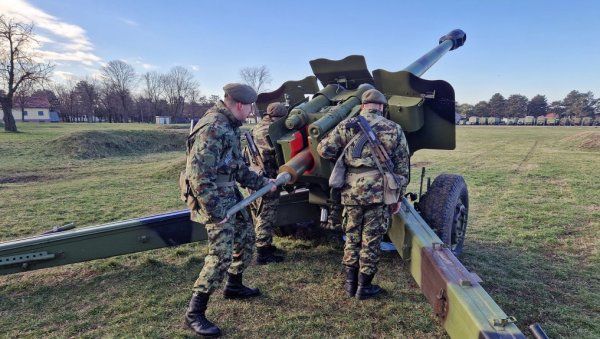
(354, 176)
(359, 170)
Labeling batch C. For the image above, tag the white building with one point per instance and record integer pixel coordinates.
(163, 120)
(35, 109)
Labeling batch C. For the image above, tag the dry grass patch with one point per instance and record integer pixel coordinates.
(104, 144)
(589, 141)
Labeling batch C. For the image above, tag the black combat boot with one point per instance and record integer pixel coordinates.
(195, 317)
(351, 280)
(365, 289)
(266, 254)
(234, 289)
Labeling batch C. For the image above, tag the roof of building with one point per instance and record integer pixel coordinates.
(34, 102)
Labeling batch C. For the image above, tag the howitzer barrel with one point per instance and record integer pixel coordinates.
(448, 42)
(281, 179)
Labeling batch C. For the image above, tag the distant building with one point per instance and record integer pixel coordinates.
(35, 109)
(163, 120)
(253, 118)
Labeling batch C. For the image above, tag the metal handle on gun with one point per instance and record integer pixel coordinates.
(281, 179)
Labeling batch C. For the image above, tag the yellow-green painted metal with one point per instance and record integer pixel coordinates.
(468, 311)
(101, 241)
(337, 113)
(425, 109)
(128, 236)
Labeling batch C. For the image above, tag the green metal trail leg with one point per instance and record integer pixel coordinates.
(102, 241)
(462, 305)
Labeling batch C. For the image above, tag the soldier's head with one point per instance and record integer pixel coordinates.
(373, 99)
(276, 110)
(239, 98)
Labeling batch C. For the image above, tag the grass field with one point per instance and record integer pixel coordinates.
(532, 238)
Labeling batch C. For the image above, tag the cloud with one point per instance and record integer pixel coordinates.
(139, 62)
(57, 40)
(88, 59)
(129, 22)
(65, 76)
(195, 68)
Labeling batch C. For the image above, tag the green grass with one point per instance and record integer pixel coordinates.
(532, 237)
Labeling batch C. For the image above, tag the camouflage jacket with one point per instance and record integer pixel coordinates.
(260, 133)
(366, 189)
(216, 152)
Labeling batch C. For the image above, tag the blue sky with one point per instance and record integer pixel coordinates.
(513, 47)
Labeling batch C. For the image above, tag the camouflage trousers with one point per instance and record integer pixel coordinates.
(364, 226)
(230, 249)
(266, 218)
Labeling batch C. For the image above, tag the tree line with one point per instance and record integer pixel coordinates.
(575, 104)
(118, 95)
(121, 95)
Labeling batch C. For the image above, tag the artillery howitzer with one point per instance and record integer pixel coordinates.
(427, 234)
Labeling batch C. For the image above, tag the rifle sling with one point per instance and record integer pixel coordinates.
(373, 150)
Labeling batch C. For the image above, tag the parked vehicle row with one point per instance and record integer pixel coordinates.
(530, 121)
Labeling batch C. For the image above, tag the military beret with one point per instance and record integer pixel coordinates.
(276, 109)
(240, 93)
(373, 96)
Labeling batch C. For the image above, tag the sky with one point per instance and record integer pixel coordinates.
(525, 47)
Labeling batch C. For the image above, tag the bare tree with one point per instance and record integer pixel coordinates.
(154, 88)
(18, 64)
(179, 85)
(256, 77)
(86, 99)
(22, 95)
(66, 98)
(119, 78)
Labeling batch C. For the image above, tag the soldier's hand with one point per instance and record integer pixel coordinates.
(395, 208)
(224, 220)
(274, 188)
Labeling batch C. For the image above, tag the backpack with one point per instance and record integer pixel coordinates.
(186, 192)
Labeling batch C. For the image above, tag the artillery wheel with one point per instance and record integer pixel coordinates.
(445, 207)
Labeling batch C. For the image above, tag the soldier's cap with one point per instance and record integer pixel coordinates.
(240, 93)
(276, 109)
(373, 96)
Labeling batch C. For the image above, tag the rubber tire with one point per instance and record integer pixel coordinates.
(446, 200)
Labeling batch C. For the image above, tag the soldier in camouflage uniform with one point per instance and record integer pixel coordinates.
(214, 164)
(366, 217)
(267, 206)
